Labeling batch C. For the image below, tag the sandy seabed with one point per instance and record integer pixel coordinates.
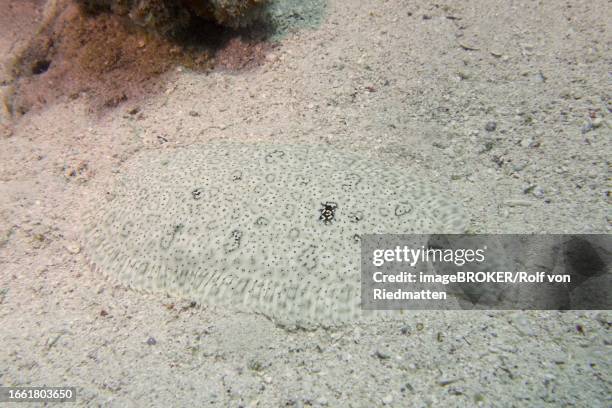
(505, 105)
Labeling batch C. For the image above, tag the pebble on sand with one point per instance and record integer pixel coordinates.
(72, 247)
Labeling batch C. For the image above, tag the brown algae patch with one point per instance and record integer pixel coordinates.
(108, 59)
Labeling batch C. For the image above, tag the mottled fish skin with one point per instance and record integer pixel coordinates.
(270, 229)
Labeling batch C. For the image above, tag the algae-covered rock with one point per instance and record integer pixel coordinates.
(169, 17)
